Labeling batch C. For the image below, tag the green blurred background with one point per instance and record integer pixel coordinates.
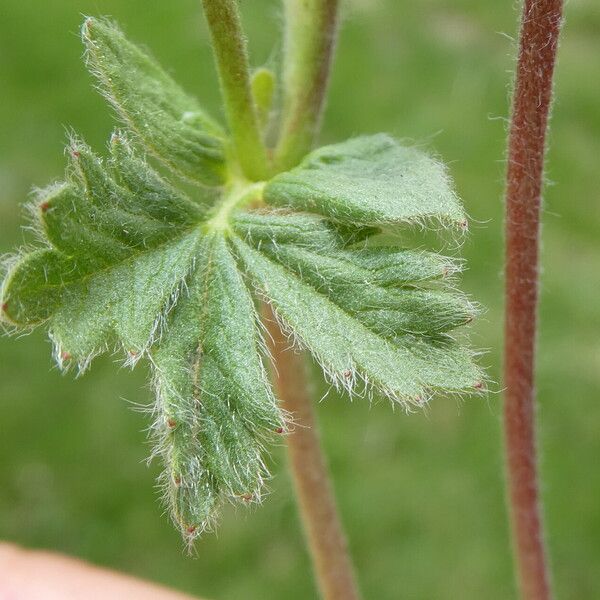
(421, 495)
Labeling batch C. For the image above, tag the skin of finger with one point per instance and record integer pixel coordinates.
(39, 575)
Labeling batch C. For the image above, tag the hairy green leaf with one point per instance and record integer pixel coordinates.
(371, 180)
(127, 260)
(130, 262)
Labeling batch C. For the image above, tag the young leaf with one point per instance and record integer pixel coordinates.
(371, 180)
(169, 123)
(263, 90)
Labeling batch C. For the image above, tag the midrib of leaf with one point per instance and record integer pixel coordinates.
(195, 426)
(203, 313)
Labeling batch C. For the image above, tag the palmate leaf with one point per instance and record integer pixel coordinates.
(128, 260)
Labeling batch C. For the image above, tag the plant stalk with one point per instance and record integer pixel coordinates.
(309, 41)
(316, 501)
(231, 55)
(540, 27)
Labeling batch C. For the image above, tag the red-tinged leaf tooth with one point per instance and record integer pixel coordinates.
(44, 206)
(171, 423)
(247, 497)
(279, 430)
(5, 307)
(65, 356)
(420, 401)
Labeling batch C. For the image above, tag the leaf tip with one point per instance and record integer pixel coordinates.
(88, 23)
(89, 29)
(75, 146)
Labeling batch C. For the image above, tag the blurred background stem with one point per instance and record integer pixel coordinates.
(314, 491)
(538, 43)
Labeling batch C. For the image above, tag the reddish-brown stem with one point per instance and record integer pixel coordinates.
(314, 492)
(540, 29)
